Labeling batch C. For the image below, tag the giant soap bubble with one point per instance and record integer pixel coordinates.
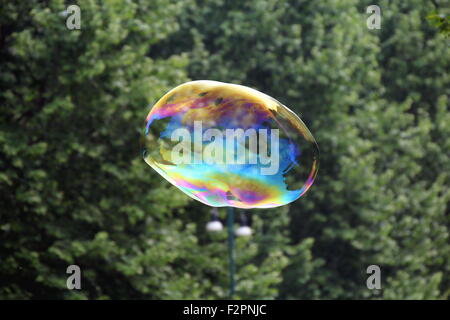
(230, 145)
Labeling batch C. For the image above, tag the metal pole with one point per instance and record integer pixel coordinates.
(231, 264)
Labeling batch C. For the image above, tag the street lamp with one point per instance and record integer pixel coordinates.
(244, 230)
(214, 225)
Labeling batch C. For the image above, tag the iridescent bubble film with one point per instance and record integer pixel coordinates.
(230, 145)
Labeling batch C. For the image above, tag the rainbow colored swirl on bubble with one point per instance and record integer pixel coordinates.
(230, 145)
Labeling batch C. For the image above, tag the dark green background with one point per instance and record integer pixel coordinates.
(74, 188)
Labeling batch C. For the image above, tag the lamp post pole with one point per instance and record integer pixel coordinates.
(231, 264)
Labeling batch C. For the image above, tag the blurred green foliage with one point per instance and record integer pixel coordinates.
(75, 190)
(440, 18)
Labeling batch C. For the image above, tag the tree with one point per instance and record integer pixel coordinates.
(74, 189)
(376, 101)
